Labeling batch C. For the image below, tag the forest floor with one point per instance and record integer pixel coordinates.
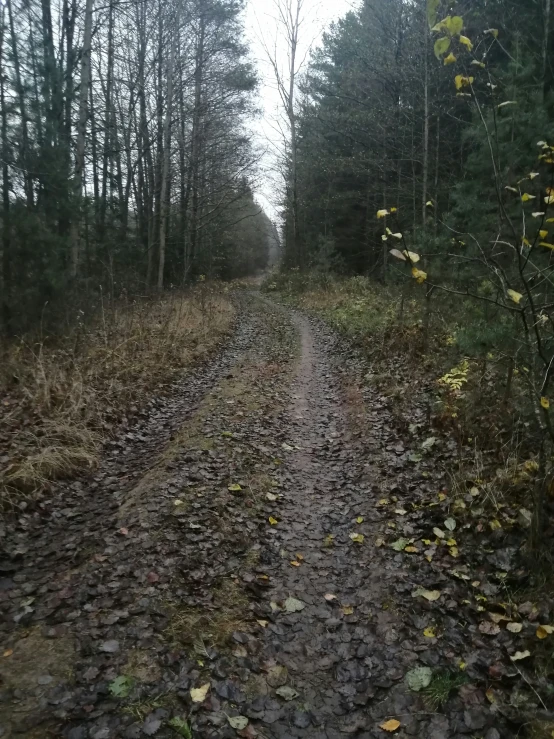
(267, 553)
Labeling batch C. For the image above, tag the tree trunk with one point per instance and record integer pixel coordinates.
(6, 220)
(81, 138)
(28, 179)
(166, 185)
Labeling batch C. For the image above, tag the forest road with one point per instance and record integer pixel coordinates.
(219, 576)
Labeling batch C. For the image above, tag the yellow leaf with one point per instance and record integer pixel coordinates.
(430, 595)
(549, 199)
(544, 631)
(360, 519)
(442, 496)
(532, 175)
(492, 31)
(412, 256)
(430, 204)
(382, 213)
(543, 233)
(347, 610)
(495, 525)
(526, 197)
(466, 42)
(391, 725)
(419, 275)
(411, 550)
(384, 238)
(441, 46)
(273, 521)
(429, 632)
(545, 403)
(393, 210)
(515, 296)
(453, 24)
(546, 244)
(477, 63)
(8, 653)
(514, 627)
(525, 241)
(299, 557)
(450, 59)
(294, 563)
(380, 542)
(358, 538)
(454, 551)
(263, 623)
(520, 655)
(383, 501)
(198, 695)
(462, 665)
(460, 81)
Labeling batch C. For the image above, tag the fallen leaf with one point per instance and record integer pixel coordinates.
(390, 726)
(380, 542)
(330, 597)
(490, 628)
(8, 653)
(293, 604)
(347, 610)
(520, 655)
(399, 545)
(430, 595)
(439, 533)
(121, 687)
(294, 563)
(544, 631)
(515, 628)
(271, 496)
(358, 538)
(287, 693)
(419, 678)
(235, 488)
(123, 531)
(198, 695)
(450, 524)
(238, 722)
(360, 519)
(411, 550)
(429, 632)
(273, 521)
(263, 623)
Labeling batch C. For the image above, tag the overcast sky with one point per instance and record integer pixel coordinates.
(261, 26)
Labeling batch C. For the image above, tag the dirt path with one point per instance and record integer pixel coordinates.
(217, 547)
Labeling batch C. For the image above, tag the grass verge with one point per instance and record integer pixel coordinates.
(62, 396)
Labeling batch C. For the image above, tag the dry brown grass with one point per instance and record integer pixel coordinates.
(200, 628)
(60, 398)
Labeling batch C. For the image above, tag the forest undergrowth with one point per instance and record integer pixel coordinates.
(62, 397)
